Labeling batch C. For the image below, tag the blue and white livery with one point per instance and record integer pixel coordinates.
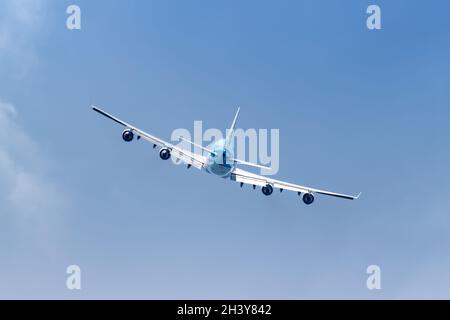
(220, 161)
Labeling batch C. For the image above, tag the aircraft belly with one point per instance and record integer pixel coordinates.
(220, 170)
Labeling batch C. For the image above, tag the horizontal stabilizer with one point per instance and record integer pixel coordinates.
(250, 164)
(198, 146)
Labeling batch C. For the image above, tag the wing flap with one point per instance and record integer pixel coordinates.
(150, 138)
(248, 180)
(246, 177)
(186, 156)
(284, 186)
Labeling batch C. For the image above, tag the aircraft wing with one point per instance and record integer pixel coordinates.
(245, 177)
(186, 156)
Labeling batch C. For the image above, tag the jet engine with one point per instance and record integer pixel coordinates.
(128, 135)
(165, 154)
(308, 198)
(267, 190)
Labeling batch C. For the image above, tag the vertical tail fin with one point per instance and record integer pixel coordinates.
(230, 135)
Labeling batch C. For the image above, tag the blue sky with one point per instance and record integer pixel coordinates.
(357, 110)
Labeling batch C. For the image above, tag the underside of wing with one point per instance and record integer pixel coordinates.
(167, 150)
(188, 157)
(268, 184)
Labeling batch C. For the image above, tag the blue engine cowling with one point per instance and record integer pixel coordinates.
(308, 198)
(128, 135)
(165, 154)
(267, 190)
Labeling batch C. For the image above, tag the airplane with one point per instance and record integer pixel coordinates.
(220, 162)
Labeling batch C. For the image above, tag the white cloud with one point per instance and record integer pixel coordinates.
(32, 203)
(24, 190)
(27, 12)
(21, 21)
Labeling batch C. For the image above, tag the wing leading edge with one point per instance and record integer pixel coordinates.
(245, 177)
(186, 156)
(238, 175)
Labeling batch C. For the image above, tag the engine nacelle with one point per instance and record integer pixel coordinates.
(165, 154)
(267, 190)
(128, 135)
(308, 198)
